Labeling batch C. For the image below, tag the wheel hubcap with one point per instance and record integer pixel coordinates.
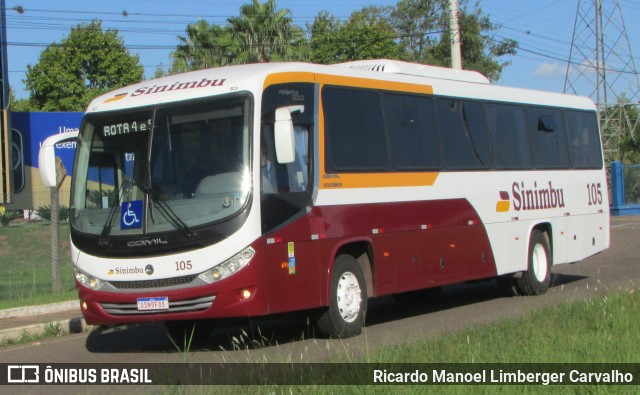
(539, 262)
(349, 297)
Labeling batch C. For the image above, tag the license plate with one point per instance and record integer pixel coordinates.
(155, 303)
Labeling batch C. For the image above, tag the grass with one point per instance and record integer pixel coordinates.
(51, 329)
(598, 330)
(595, 330)
(25, 265)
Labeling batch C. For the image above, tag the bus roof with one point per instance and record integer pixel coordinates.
(251, 77)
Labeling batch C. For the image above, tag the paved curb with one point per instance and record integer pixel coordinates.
(57, 327)
(60, 328)
(40, 309)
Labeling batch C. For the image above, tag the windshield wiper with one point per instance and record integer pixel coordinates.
(153, 196)
(106, 229)
(166, 211)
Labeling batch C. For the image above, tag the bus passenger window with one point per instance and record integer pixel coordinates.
(290, 177)
(584, 140)
(548, 141)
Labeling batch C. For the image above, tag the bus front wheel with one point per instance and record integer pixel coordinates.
(537, 278)
(348, 300)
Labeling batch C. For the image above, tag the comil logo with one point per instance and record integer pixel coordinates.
(526, 197)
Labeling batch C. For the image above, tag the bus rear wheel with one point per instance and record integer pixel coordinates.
(348, 300)
(537, 278)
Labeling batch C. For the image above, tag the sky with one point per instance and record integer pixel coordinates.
(543, 29)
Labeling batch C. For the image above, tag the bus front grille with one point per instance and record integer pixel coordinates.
(159, 283)
(175, 306)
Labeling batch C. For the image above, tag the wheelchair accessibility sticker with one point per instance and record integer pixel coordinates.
(131, 215)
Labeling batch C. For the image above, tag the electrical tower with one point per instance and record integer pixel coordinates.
(601, 66)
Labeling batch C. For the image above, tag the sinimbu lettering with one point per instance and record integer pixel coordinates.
(203, 83)
(527, 197)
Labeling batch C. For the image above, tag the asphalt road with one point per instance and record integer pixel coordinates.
(290, 338)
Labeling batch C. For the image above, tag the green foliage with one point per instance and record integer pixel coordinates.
(204, 46)
(18, 104)
(367, 34)
(85, 64)
(622, 118)
(266, 34)
(479, 52)
(261, 33)
(414, 30)
(6, 216)
(44, 212)
(423, 26)
(419, 25)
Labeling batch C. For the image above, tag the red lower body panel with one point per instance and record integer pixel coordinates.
(411, 245)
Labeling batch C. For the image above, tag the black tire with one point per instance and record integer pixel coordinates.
(537, 278)
(347, 300)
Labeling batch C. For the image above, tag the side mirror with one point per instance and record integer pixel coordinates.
(283, 134)
(52, 171)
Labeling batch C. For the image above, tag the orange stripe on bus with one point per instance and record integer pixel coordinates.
(289, 77)
(326, 79)
(377, 180)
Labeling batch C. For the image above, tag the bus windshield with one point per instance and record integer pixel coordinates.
(162, 169)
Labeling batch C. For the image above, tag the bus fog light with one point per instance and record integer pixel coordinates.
(229, 267)
(83, 305)
(246, 294)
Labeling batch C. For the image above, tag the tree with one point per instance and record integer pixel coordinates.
(419, 25)
(18, 104)
(620, 123)
(85, 64)
(266, 34)
(479, 50)
(204, 46)
(367, 34)
(423, 30)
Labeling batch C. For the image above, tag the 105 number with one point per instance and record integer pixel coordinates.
(594, 191)
(183, 265)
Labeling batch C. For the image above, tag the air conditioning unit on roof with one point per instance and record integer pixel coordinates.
(420, 70)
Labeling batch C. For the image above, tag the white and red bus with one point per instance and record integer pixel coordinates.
(266, 188)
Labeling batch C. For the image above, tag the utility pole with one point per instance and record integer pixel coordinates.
(601, 66)
(6, 163)
(454, 27)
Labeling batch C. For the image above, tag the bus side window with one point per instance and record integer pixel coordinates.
(509, 137)
(548, 139)
(298, 170)
(290, 177)
(584, 140)
(463, 134)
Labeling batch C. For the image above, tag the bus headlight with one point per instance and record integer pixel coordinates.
(89, 281)
(229, 267)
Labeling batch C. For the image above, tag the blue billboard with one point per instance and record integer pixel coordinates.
(29, 130)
